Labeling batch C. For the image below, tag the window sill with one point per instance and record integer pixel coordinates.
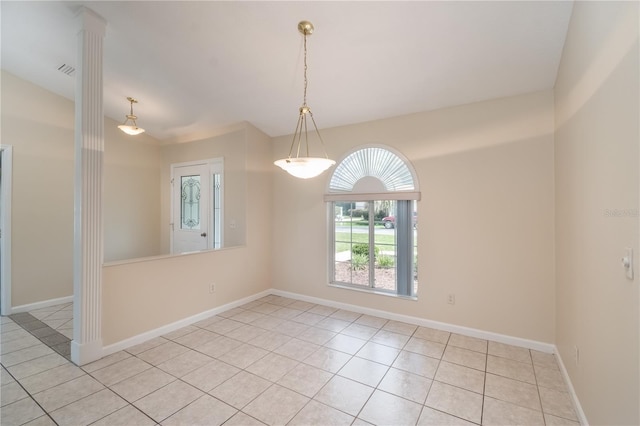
(371, 291)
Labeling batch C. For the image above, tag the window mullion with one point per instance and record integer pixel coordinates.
(372, 248)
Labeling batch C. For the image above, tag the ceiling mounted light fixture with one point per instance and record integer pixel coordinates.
(132, 128)
(305, 167)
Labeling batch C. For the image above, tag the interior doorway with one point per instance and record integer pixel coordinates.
(6, 162)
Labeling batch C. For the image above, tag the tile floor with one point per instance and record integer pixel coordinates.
(282, 361)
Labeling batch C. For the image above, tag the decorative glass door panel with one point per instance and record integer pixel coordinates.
(190, 211)
(190, 226)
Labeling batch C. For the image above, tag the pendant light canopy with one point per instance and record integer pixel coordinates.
(130, 126)
(304, 167)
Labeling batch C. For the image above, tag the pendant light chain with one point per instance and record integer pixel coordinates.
(304, 103)
(305, 166)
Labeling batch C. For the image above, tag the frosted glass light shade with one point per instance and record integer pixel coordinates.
(304, 167)
(131, 130)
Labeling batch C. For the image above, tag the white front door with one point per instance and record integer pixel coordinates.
(191, 189)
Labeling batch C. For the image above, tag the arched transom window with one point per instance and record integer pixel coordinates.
(372, 198)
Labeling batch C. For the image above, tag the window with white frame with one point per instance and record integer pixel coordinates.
(372, 204)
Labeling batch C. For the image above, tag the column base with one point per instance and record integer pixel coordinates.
(84, 353)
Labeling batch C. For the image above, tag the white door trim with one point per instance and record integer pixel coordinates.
(5, 225)
(214, 165)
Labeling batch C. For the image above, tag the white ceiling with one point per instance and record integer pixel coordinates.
(199, 66)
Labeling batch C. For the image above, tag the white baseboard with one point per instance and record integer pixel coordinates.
(574, 397)
(40, 305)
(141, 338)
(472, 332)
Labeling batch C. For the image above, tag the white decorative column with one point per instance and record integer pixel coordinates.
(88, 227)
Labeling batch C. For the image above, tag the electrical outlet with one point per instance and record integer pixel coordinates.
(451, 299)
(212, 288)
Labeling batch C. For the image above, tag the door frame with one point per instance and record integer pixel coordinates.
(6, 151)
(211, 164)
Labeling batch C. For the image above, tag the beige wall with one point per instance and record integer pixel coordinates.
(486, 217)
(597, 134)
(230, 145)
(39, 125)
(139, 297)
(131, 194)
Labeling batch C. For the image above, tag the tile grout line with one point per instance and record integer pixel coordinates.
(46, 413)
(55, 332)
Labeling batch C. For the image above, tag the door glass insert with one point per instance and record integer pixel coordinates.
(190, 202)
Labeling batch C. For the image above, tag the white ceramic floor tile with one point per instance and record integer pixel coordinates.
(121, 370)
(204, 411)
(333, 324)
(241, 419)
(460, 376)
(502, 413)
(297, 349)
(513, 391)
(241, 389)
(360, 331)
(20, 412)
(347, 344)
(345, 395)
(371, 321)
(390, 338)
(142, 384)
(315, 413)
(417, 364)
(66, 393)
(127, 416)
(50, 378)
(406, 385)
(168, 400)
(37, 365)
(185, 363)
(400, 327)
(455, 401)
(364, 371)
(386, 409)
(512, 369)
(425, 347)
(327, 359)
(11, 392)
(89, 409)
(508, 351)
(210, 375)
(162, 353)
(276, 406)
(465, 357)
(291, 351)
(25, 355)
(557, 403)
(272, 367)
(432, 334)
(243, 356)
(305, 379)
(470, 343)
(379, 353)
(431, 417)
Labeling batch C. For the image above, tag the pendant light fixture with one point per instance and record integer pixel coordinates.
(132, 128)
(304, 167)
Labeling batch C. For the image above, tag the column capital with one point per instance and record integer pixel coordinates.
(88, 20)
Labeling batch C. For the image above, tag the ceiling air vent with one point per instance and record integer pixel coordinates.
(67, 69)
